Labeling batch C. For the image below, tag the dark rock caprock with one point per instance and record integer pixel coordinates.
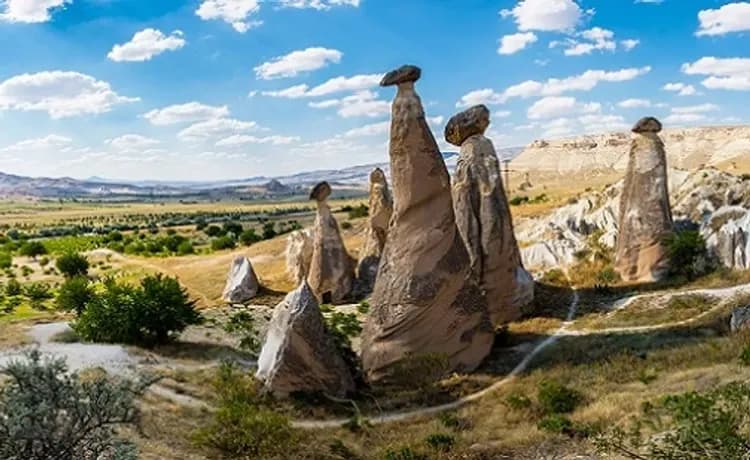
(331, 267)
(484, 220)
(645, 214)
(242, 283)
(426, 302)
(381, 208)
(299, 354)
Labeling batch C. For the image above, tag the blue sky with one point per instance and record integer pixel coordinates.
(217, 89)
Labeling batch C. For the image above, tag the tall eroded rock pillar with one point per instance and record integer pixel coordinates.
(381, 208)
(484, 220)
(426, 303)
(645, 213)
(331, 267)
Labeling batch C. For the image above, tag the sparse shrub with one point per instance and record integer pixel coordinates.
(607, 276)
(72, 264)
(249, 237)
(363, 307)
(555, 277)
(74, 294)
(243, 323)
(419, 371)
(519, 200)
(241, 426)
(357, 212)
(339, 450)
(37, 293)
(555, 398)
(185, 248)
(213, 230)
(44, 261)
(745, 355)
(48, 413)
(687, 254)
(346, 225)
(32, 249)
(555, 423)
(223, 242)
(13, 288)
(6, 260)
(404, 453)
(149, 314)
(26, 271)
(518, 401)
(441, 441)
(269, 230)
(234, 228)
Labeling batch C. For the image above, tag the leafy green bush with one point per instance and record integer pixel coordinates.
(37, 293)
(518, 401)
(442, 442)
(357, 212)
(555, 423)
(6, 260)
(185, 248)
(745, 355)
(519, 200)
(74, 294)
(269, 230)
(32, 249)
(241, 426)
(213, 230)
(243, 323)
(13, 288)
(223, 242)
(687, 254)
(404, 453)
(47, 413)
(234, 228)
(607, 276)
(556, 398)
(249, 237)
(72, 264)
(147, 315)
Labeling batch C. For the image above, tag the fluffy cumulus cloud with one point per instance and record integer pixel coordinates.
(59, 93)
(723, 73)
(235, 12)
(318, 4)
(551, 87)
(545, 15)
(681, 89)
(732, 17)
(360, 104)
(131, 143)
(244, 139)
(185, 113)
(146, 44)
(511, 44)
(297, 62)
(332, 86)
(634, 103)
(217, 128)
(29, 11)
(594, 39)
(557, 106)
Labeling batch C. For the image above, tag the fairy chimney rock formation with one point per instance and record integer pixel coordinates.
(484, 220)
(242, 283)
(331, 267)
(299, 249)
(381, 208)
(299, 354)
(645, 214)
(426, 304)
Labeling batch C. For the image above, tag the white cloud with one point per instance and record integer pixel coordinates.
(29, 11)
(332, 86)
(510, 44)
(243, 139)
(132, 143)
(185, 113)
(61, 94)
(383, 127)
(318, 4)
(361, 104)
(702, 108)
(634, 103)
(556, 106)
(146, 44)
(51, 141)
(552, 87)
(681, 89)
(690, 114)
(600, 123)
(682, 118)
(724, 73)
(297, 62)
(215, 128)
(629, 44)
(545, 15)
(234, 12)
(732, 17)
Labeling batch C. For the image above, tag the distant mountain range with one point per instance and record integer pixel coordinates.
(349, 181)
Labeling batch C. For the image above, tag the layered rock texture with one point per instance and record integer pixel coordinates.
(299, 250)
(299, 354)
(425, 303)
(381, 208)
(484, 220)
(331, 267)
(645, 218)
(242, 283)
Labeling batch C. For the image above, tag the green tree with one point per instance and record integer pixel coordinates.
(74, 294)
(32, 249)
(72, 264)
(687, 254)
(6, 260)
(223, 242)
(249, 237)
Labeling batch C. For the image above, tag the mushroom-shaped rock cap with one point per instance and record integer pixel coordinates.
(471, 121)
(320, 192)
(647, 125)
(403, 74)
(377, 176)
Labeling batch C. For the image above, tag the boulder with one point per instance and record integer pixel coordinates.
(426, 303)
(299, 249)
(740, 320)
(242, 283)
(299, 353)
(645, 215)
(331, 268)
(484, 220)
(381, 208)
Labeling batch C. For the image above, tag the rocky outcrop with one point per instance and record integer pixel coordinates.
(299, 250)
(331, 267)
(242, 283)
(425, 303)
(484, 220)
(740, 320)
(299, 354)
(645, 218)
(381, 208)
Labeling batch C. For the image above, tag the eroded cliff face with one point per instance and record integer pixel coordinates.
(726, 147)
